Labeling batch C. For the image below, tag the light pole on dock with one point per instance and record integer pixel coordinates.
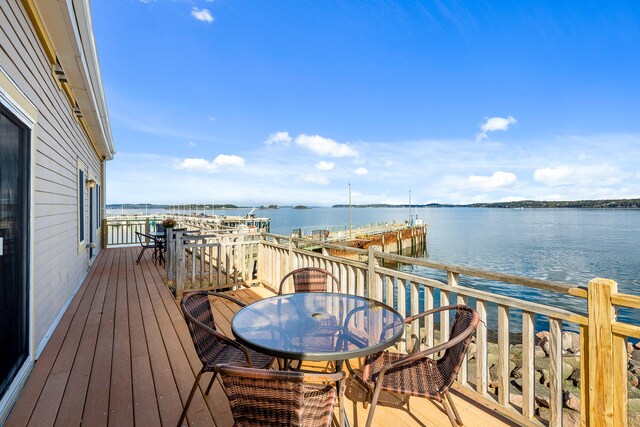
(350, 211)
(409, 207)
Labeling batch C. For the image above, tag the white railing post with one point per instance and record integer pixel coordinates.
(374, 286)
(181, 272)
(170, 262)
(290, 260)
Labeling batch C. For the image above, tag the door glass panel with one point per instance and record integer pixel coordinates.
(14, 232)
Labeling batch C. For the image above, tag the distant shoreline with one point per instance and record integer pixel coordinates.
(590, 204)
(524, 204)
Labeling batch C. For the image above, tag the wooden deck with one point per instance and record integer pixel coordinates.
(122, 356)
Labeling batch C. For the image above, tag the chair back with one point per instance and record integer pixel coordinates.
(464, 325)
(261, 397)
(310, 279)
(197, 313)
(144, 238)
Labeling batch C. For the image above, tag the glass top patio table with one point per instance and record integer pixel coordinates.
(317, 326)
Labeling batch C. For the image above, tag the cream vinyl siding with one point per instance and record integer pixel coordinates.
(59, 263)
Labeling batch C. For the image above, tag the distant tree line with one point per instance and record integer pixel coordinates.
(606, 204)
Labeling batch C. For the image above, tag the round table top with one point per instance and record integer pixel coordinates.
(318, 326)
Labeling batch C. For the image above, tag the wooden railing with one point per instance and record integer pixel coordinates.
(210, 261)
(603, 348)
(122, 231)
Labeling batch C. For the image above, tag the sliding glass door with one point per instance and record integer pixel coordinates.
(14, 246)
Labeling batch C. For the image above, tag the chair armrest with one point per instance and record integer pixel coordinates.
(414, 357)
(429, 312)
(220, 337)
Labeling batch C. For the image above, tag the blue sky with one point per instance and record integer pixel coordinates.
(286, 102)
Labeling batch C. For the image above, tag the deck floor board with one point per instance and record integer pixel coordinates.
(122, 355)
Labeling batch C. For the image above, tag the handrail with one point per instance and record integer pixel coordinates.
(483, 274)
(546, 285)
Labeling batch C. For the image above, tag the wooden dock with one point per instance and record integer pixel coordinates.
(122, 356)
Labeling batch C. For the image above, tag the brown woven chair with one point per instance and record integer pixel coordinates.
(279, 398)
(310, 279)
(416, 374)
(214, 348)
(314, 279)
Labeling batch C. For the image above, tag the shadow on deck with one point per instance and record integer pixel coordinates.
(122, 355)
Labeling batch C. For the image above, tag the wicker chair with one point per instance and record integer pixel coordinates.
(214, 348)
(416, 374)
(310, 279)
(279, 398)
(313, 279)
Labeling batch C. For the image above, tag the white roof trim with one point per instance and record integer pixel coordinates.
(69, 25)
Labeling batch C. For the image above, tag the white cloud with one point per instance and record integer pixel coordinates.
(212, 118)
(316, 179)
(553, 176)
(192, 144)
(229, 160)
(325, 166)
(498, 180)
(361, 171)
(278, 138)
(512, 199)
(493, 124)
(147, 1)
(596, 175)
(203, 15)
(325, 146)
(195, 165)
(202, 165)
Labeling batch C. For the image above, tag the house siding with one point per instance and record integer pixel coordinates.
(59, 263)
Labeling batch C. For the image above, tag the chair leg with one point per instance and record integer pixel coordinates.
(366, 398)
(140, 256)
(447, 407)
(453, 407)
(374, 402)
(193, 391)
(213, 378)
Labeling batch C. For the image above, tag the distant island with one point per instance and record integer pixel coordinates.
(593, 204)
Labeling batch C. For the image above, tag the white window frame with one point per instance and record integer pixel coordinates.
(81, 186)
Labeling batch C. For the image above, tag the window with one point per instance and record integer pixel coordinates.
(98, 207)
(81, 203)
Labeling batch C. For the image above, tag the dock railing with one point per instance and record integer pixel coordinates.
(602, 384)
